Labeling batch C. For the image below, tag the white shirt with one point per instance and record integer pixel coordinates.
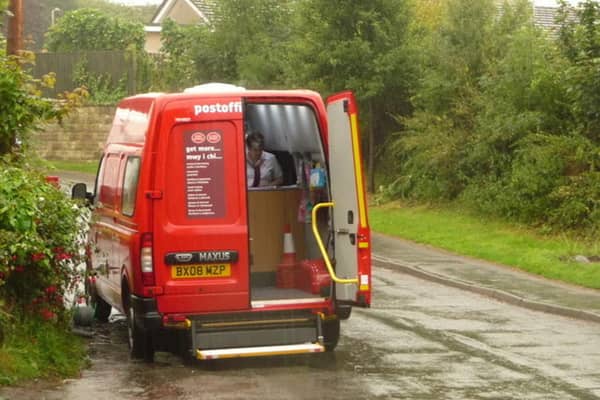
(270, 170)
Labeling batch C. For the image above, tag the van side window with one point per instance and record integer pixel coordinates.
(130, 183)
(98, 181)
(108, 180)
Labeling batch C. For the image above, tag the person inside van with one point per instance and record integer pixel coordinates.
(263, 168)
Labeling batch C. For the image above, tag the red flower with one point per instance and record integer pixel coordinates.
(35, 257)
(63, 256)
(47, 314)
(2, 275)
(51, 289)
(19, 268)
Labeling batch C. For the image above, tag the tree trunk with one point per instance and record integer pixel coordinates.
(371, 156)
(14, 42)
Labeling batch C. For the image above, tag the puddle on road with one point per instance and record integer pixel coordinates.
(112, 375)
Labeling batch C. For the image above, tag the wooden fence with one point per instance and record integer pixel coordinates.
(114, 68)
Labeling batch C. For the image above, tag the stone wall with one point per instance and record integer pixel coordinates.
(80, 136)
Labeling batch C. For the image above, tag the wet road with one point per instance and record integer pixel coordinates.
(420, 340)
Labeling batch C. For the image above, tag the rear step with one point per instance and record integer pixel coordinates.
(256, 334)
(260, 351)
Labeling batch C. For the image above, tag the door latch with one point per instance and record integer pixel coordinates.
(353, 239)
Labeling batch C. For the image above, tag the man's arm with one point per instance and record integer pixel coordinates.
(277, 173)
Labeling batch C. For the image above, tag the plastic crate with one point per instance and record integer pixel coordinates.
(312, 276)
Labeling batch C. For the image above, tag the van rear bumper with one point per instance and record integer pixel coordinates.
(146, 314)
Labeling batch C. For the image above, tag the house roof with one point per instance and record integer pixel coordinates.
(544, 17)
(204, 9)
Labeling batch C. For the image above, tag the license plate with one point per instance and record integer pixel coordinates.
(201, 271)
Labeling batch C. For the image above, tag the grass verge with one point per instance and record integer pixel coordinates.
(89, 167)
(496, 241)
(33, 349)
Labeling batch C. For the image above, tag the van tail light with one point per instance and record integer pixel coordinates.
(146, 260)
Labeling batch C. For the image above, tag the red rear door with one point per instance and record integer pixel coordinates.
(199, 217)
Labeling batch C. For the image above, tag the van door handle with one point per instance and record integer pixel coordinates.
(342, 231)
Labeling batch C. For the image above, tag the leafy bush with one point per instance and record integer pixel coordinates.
(20, 105)
(578, 203)
(39, 245)
(100, 88)
(506, 122)
(92, 29)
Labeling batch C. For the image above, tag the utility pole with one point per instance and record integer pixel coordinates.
(15, 28)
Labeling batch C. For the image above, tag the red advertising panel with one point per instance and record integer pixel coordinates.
(204, 174)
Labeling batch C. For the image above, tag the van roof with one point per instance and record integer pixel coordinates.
(211, 90)
(133, 114)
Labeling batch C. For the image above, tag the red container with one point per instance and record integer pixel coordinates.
(312, 275)
(285, 276)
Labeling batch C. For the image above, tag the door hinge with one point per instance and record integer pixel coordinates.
(154, 194)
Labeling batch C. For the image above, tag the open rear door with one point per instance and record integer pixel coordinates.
(351, 227)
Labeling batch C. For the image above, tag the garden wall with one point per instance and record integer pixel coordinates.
(79, 137)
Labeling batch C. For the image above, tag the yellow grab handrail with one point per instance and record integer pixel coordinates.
(322, 248)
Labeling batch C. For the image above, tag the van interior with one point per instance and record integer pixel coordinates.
(285, 260)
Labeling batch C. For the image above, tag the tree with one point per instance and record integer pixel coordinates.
(253, 37)
(20, 105)
(355, 45)
(92, 29)
(244, 44)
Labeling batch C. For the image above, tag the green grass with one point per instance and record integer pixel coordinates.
(40, 350)
(496, 241)
(89, 167)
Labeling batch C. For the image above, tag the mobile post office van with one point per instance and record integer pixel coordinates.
(204, 265)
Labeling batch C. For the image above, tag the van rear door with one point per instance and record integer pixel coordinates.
(351, 228)
(199, 217)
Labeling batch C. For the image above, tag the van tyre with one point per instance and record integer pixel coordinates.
(140, 342)
(331, 333)
(101, 308)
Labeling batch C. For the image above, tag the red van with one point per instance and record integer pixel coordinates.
(200, 263)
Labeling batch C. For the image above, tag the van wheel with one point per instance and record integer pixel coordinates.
(331, 333)
(101, 308)
(140, 343)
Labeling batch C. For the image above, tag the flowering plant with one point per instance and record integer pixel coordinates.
(40, 245)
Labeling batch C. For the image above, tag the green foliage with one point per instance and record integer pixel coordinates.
(35, 349)
(580, 43)
(350, 44)
(92, 29)
(505, 120)
(141, 14)
(39, 245)
(177, 67)
(244, 44)
(20, 105)
(252, 37)
(100, 87)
